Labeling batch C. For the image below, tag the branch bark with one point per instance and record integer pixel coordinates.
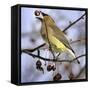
(53, 60)
(74, 22)
(34, 49)
(76, 41)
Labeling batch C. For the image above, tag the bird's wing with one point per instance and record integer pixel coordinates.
(60, 35)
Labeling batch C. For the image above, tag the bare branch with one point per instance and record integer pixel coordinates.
(34, 49)
(76, 41)
(53, 60)
(74, 22)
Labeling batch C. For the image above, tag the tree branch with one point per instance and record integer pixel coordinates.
(53, 60)
(34, 49)
(74, 22)
(76, 41)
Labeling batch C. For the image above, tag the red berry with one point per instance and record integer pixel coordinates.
(37, 13)
(37, 67)
(38, 63)
(53, 68)
(57, 77)
(71, 76)
(49, 68)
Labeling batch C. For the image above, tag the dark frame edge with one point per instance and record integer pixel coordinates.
(15, 79)
(50, 7)
(86, 43)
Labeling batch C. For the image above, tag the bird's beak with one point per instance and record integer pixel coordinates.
(39, 18)
(44, 14)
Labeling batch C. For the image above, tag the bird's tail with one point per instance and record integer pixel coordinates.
(72, 55)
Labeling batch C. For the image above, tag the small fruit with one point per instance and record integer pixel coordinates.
(37, 67)
(38, 63)
(40, 68)
(37, 13)
(53, 68)
(57, 77)
(71, 76)
(49, 68)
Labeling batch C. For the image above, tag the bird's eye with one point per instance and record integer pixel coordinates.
(37, 13)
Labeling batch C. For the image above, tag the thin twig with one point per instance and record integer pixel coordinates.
(53, 60)
(74, 22)
(77, 41)
(34, 49)
(77, 57)
(58, 55)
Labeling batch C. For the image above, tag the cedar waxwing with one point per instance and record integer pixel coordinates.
(53, 35)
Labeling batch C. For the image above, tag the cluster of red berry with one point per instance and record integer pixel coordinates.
(57, 77)
(51, 67)
(39, 66)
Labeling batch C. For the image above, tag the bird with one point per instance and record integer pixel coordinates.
(53, 35)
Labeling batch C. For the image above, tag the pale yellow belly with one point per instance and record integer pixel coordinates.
(57, 46)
